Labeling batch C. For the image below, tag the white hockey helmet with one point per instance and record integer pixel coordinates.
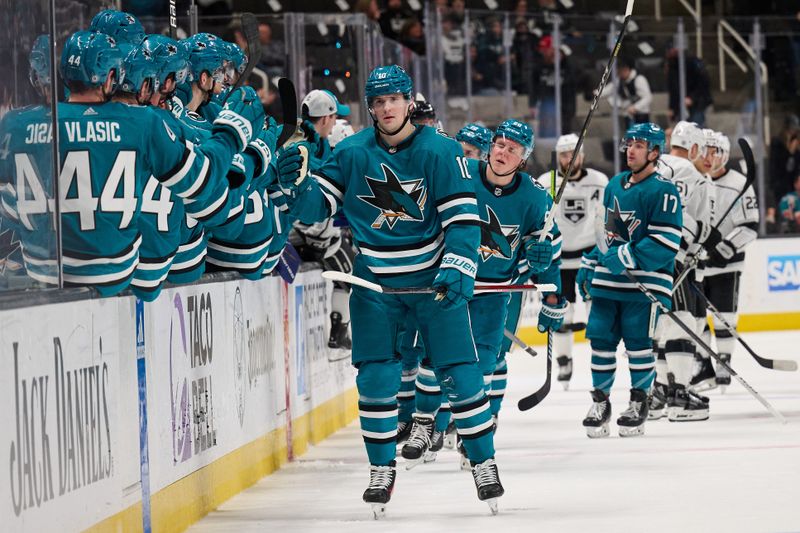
(720, 142)
(341, 129)
(687, 134)
(567, 143)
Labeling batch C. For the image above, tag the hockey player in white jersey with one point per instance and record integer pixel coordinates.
(580, 205)
(675, 349)
(726, 251)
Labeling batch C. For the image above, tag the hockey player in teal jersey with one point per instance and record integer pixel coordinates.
(476, 140)
(106, 162)
(412, 210)
(208, 55)
(642, 236)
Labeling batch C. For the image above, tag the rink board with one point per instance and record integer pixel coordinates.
(769, 292)
(237, 379)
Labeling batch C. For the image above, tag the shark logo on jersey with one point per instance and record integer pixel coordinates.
(396, 200)
(574, 209)
(620, 225)
(497, 240)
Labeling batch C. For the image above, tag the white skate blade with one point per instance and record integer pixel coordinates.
(597, 432)
(411, 463)
(631, 431)
(429, 457)
(492, 503)
(378, 510)
(687, 416)
(450, 441)
(464, 464)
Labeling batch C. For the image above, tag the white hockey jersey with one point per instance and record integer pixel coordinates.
(576, 213)
(740, 227)
(696, 200)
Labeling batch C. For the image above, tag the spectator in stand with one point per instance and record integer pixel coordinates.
(523, 50)
(457, 8)
(478, 81)
(369, 8)
(412, 36)
(453, 46)
(784, 157)
(491, 58)
(790, 209)
(632, 93)
(544, 90)
(393, 18)
(273, 54)
(698, 88)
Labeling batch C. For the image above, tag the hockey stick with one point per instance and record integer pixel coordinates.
(689, 331)
(532, 400)
(775, 364)
(289, 105)
(361, 282)
(250, 30)
(750, 161)
(173, 20)
(603, 81)
(519, 342)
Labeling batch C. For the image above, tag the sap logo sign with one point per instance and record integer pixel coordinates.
(783, 273)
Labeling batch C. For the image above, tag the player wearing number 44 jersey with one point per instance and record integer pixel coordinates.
(641, 237)
(411, 205)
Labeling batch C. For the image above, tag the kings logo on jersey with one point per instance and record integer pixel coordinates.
(395, 199)
(497, 240)
(574, 209)
(620, 225)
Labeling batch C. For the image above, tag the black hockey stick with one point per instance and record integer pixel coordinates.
(750, 161)
(774, 364)
(250, 30)
(344, 277)
(532, 400)
(595, 102)
(697, 340)
(173, 20)
(519, 342)
(289, 105)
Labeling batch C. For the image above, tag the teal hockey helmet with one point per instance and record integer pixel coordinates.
(123, 27)
(518, 132)
(207, 53)
(169, 57)
(476, 135)
(646, 131)
(140, 67)
(89, 56)
(390, 79)
(236, 56)
(39, 62)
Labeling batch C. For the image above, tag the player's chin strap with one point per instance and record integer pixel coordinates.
(510, 172)
(395, 132)
(648, 162)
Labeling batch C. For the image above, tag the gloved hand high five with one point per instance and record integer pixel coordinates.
(292, 165)
(242, 116)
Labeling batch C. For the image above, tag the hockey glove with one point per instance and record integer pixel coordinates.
(584, 281)
(260, 149)
(619, 258)
(292, 170)
(455, 281)
(551, 316)
(310, 133)
(539, 255)
(242, 116)
(713, 239)
(721, 254)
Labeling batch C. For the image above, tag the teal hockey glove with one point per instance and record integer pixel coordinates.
(455, 281)
(242, 116)
(539, 255)
(292, 170)
(619, 258)
(584, 277)
(551, 316)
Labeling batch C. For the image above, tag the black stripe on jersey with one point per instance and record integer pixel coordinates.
(377, 408)
(428, 392)
(575, 254)
(635, 290)
(398, 274)
(501, 372)
(178, 166)
(400, 247)
(667, 225)
(370, 440)
(479, 434)
(457, 196)
(222, 205)
(144, 289)
(465, 223)
(125, 279)
(241, 245)
(492, 280)
(751, 225)
(85, 256)
(330, 181)
(670, 248)
(469, 406)
(143, 259)
(211, 267)
(205, 179)
(199, 265)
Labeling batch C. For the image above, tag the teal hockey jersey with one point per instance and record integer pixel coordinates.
(511, 216)
(648, 215)
(410, 207)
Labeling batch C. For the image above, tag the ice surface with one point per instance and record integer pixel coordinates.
(739, 471)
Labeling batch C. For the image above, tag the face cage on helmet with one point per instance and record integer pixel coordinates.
(722, 156)
(623, 144)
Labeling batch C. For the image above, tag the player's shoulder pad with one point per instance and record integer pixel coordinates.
(530, 182)
(432, 140)
(595, 177)
(665, 184)
(359, 139)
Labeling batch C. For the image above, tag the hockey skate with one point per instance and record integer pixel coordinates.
(564, 370)
(403, 431)
(686, 406)
(464, 463)
(419, 441)
(379, 491)
(704, 378)
(658, 400)
(450, 436)
(487, 481)
(437, 442)
(631, 421)
(596, 421)
(723, 379)
(340, 336)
